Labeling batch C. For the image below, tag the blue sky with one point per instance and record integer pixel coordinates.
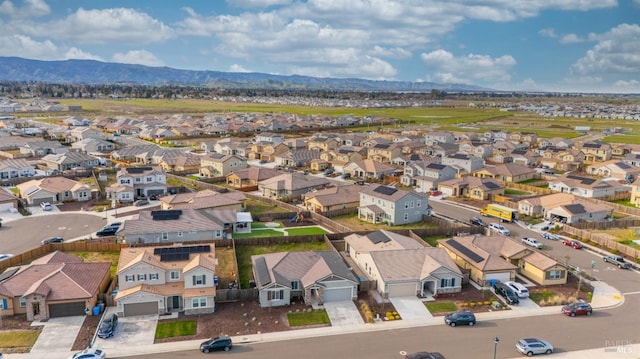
(545, 45)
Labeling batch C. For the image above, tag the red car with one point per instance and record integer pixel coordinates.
(573, 244)
(577, 308)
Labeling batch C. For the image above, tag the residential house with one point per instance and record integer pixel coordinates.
(384, 152)
(425, 176)
(136, 182)
(632, 159)
(92, 145)
(481, 149)
(471, 187)
(83, 133)
(507, 172)
(383, 204)
(290, 186)
(160, 280)
(595, 151)
(8, 202)
(233, 200)
(269, 151)
(218, 165)
(524, 157)
(316, 277)
(42, 148)
(463, 162)
(614, 169)
(53, 190)
(490, 259)
(131, 153)
(333, 198)
(268, 137)
(635, 195)
(55, 285)
(249, 177)
(403, 267)
(16, 168)
(440, 150)
(70, 160)
(186, 163)
(296, 158)
(323, 142)
(589, 187)
(369, 169)
(565, 207)
(433, 137)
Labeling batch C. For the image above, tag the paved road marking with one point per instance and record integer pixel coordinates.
(630, 293)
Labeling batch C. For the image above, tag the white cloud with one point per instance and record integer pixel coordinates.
(394, 53)
(31, 8)
(7, 8)
(617, 52)
(570, 39)
(627, 84)
(257, 3)
(139, 57)
(237, 68)
(120, 25)
(24, 46)
(472, 68)
(75, 53)
(548, 32)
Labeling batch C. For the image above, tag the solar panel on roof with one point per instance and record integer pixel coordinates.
(465, 251)
(166, 215)
(378, 237)
(8, 274)
(591, 145)
(623, 165)
(174, 257)
(583, 180)
(491, 185)
(388, 191)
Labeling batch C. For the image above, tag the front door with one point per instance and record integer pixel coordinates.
(176, 302)
(36, 308)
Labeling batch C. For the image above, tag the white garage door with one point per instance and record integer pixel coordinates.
(501, 277)
(402, 290)
(5, 207)
(337, 294)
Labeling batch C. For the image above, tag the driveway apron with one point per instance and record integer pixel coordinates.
(343, 313)
(411, 309)
(58, 335)
(135, 330)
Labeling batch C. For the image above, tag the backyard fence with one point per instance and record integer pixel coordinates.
(604, 240)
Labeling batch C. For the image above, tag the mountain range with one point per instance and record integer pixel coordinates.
(97, 72)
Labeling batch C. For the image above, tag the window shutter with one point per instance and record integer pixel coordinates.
(204, 279)
(442, 283)
(4, 303)
(194, 280)
(453, 282)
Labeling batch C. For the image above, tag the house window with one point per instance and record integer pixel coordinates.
(165, 236)
(179, 234)
(149, 179)
(154, 276)
(138, 180)
(418, 203)
(142, 277)
(128, 278)
(277, 294)
(447, 282)
(218, 233)
(406, 216)
(3, 304)
(555, 274)
(23, 302)
(406, 205)
(411, 204)
(199, 302)
(174, 275)
(295, 285)
(199, 279)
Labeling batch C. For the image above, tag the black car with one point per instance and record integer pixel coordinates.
(217, 343)
(460, 318)
(107, 231)
(507, 293)
(424, 355)
(141, 202)
(477, 221)
(108, 327)
(52, 240)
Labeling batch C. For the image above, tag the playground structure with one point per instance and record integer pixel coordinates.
(298, 218)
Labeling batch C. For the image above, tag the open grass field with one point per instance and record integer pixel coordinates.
(111, 257)
(244, 254)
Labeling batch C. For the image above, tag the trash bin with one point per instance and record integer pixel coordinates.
(96, 311)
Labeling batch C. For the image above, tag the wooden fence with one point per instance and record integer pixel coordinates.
(604, 240)
(618, 223)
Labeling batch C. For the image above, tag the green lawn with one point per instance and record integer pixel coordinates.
(257, 208)
(244, 253)
(258, 225)
(18, 338)
(259, 233)
(433, 240)
(440, 307)
(176, 329)
(540, 296)
(308, 318)
(515, 192)
(307, 231)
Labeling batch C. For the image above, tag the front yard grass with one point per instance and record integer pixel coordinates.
(315, 317)
(307, 231)
(441, 307)
(18, 338)
(176, 329)
(352, 221)
(93, 257)
(538, 297)
(244, 254)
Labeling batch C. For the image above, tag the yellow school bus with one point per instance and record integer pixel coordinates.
(504, 213)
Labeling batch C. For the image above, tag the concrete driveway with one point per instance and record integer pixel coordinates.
(411, 309)
(136, 330)
(57, 336)
(343, 313)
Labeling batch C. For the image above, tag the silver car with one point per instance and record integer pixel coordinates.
(531, 346)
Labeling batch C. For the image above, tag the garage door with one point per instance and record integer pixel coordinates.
(501, 277)
(37, 201)
(5, 207)
(66, 309)
(337, 294)
(145, 308)
(402, 290)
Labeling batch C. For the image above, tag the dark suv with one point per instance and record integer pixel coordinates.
(476, 221)
(107, 231)
(460, 318)
(217, 343)
(507, 293)
(108, 326)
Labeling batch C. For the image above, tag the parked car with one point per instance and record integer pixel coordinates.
(617, 260)
(346, 175)
(499, 228)
(507, 293)
(571, 243)
(114, 224)
(532, 242)
(52, 240)
(91, 353)
(550, 236)
(46, 206)
(141, 202)
(531, 346)
(475, 221)
(5, 256)
(107, 231)
(217, 343)
(108, 326)
(424, 355)
(577, 308)
(460, 318)
(520, 290)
